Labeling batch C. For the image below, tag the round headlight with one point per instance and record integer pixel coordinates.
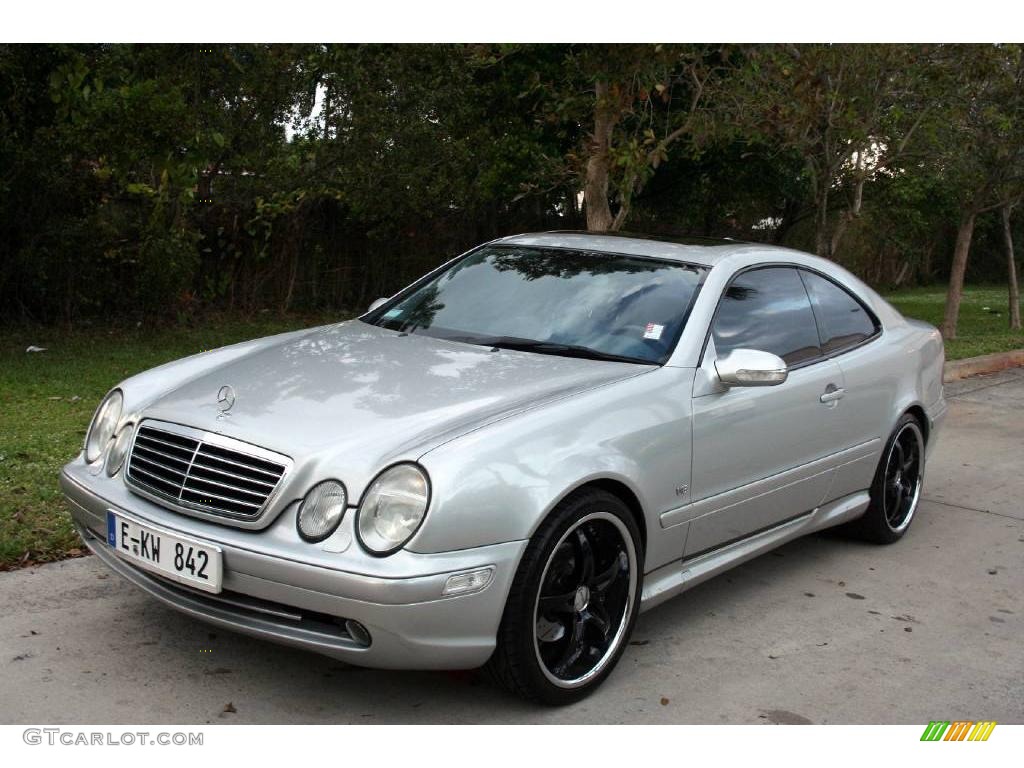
(322, 510)
(119, 450)
(393, 508)
(103, 425)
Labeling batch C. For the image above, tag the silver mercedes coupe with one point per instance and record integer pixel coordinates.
(505, 462)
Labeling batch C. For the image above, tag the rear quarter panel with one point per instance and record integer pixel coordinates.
(883, 380)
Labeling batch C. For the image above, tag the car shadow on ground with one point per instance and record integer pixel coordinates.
(307, 687)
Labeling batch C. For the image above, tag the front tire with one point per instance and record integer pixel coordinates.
(573, 602)
(896, 488)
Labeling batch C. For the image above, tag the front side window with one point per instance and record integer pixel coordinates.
(767, 309)
(552, 301)
(842, 319)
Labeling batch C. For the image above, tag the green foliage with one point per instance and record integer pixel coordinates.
(849, 112)
(157, 181)
(631, 107)
(978, 144)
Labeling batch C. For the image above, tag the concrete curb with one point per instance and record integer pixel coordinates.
(972, 366)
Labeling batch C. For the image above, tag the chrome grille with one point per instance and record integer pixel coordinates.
(192, 472)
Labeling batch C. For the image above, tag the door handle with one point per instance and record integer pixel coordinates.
(832, 394)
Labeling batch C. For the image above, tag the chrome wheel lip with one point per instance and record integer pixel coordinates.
(620, 632)
(918, 481)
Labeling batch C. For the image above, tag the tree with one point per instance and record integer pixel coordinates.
(849, 111)
(634, 105)
(980, 145)
(1006, 213)
(731, 188)
(316, 176)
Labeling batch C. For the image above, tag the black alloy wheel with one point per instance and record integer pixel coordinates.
(584, 599)
(901, 488)
(896, 489)
(574, 601)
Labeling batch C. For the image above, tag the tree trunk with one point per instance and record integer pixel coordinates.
(790, 211)
(924, 270)
(821, 238)
(1007, 212)
(902, 274)
(849, 215)
(956, 273)
(595, 189)
(620, 216)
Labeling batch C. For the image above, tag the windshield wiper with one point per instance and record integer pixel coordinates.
(549, 348)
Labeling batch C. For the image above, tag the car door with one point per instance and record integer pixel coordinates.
(847, 328)
(762, 455)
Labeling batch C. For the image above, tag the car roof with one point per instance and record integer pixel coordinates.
(705, 251)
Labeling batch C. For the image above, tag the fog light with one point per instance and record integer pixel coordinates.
(468, 582)
(358, 632)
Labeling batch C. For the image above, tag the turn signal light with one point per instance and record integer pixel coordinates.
(468, 582)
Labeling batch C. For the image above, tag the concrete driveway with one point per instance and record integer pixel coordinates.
(824, 630)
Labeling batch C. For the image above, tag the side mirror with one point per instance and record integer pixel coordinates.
(751, 368)
(377, 303)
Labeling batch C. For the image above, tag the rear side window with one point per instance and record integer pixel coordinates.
(767, 309)
(842, 320)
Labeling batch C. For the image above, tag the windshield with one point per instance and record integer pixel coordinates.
(552, 301)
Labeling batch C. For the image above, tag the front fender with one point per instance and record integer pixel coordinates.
(499, 482)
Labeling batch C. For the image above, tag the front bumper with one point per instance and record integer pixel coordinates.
(277, 597)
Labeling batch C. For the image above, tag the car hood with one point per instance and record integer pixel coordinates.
(358, 396)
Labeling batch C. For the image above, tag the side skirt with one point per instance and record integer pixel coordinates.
(669, 580)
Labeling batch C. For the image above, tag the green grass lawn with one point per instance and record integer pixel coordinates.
(47, 398)
(46, 402)
(983, 326)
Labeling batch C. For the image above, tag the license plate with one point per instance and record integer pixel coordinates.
(175, 557)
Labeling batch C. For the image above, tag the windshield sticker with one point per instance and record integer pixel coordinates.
(391, 314)
(653, 331)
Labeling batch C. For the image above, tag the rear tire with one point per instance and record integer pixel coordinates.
(896, 488)
(573, 602)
